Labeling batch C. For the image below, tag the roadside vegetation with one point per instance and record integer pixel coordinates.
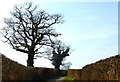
(69, 79)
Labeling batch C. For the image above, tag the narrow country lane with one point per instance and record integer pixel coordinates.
(58, 79)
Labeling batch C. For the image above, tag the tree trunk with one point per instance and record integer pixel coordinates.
(30, 60)
(58, 70)
(57, 67)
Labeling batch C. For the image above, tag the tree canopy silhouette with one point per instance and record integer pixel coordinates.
(29, 29)
(57, 53)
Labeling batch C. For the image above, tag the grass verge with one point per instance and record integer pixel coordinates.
(69, 79)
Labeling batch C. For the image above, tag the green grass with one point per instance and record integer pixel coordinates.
(68, 79)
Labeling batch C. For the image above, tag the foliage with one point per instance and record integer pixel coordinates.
(57, 53)
(68, 79)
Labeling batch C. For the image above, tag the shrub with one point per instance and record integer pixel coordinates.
(69, 79)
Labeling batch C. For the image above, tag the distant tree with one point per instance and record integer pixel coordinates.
(28, 30)
(66, 65)
(57, 53)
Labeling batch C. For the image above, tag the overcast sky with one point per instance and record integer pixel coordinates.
(90, 28)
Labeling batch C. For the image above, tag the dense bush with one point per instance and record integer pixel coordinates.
(106, 69)
(74, 73)
(12, 70)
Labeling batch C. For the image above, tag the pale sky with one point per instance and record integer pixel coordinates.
(90, 27)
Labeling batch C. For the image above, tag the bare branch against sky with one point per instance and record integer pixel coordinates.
(91, 28)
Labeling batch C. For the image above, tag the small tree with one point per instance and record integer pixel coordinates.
(28, 30)
(66, 65)
(57, 53)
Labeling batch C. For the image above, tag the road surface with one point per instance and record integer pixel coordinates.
(58, 79)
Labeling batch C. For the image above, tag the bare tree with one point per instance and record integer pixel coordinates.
(57, 53)
(28, 30)
(66, 65)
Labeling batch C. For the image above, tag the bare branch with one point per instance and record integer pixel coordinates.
(28, 30)
(22, 50)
